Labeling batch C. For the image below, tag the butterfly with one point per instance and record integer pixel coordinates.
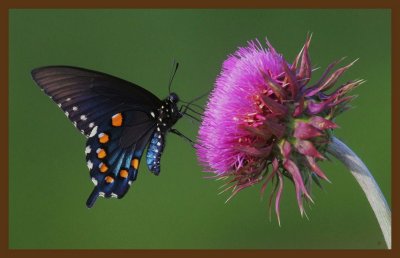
(119, 119)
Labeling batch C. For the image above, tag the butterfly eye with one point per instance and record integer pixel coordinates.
(173, 97)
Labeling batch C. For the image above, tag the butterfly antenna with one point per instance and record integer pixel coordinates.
(199, 97)
(193, 105)
(175, 66)
(192, 117)
(191, 109)
(188, 104)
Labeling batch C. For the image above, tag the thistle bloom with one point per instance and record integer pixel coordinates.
(263, 122)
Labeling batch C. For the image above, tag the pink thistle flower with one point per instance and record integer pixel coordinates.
(263, 122)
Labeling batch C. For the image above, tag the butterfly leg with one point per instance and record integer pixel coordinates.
(173, 130)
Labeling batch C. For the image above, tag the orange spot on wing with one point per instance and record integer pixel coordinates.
(123, 173)
(103, 138)
(135, 163)
(116, 120)
(103, 168)
(109, 179)
(101, 153)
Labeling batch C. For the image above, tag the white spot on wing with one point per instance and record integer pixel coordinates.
(158, 144)
(75, 108)
(114, 195)
(101, 194)
(83, 118)
(94, 181)
(68, 99)
(59, 104)
(152, 114)
(89, 164)
(88, 150)
(91, 125)
(93, 132)
(129, 182)
(67, 114)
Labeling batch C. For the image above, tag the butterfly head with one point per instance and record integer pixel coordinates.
(173, 98)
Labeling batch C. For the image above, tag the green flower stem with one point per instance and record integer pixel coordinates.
(368, 184)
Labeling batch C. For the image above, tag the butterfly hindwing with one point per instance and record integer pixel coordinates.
(112, 157)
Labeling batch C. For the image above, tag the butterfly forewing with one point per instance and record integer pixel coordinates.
(88, 97)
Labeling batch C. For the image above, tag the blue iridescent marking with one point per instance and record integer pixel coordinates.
(154, 152)
(118, 166)
(128, 160)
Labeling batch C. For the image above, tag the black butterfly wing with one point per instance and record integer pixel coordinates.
(117, 117)
(88, 97)
(114, 150)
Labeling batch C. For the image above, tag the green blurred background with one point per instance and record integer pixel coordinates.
(49, 180)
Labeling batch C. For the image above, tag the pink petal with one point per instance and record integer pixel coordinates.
(291, 78)
(286, 149)
(307, 148)
(299, 108)
(322, 123)
(255, 152)
(331, 80)
(278, 197)
(305, 131)
(322, 79)
(291, 167)
(275, 87)
(258, 131)
(305, 66)
(275, 128)
(314, 107)
(270, 176)
(316, 169)
(274, 106)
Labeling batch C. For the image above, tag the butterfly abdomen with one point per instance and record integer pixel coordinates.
(154, 152)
